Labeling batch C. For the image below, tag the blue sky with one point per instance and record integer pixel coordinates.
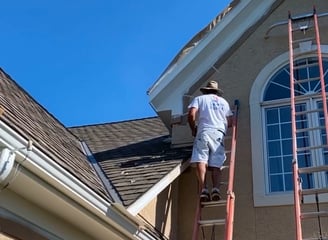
(92, 61)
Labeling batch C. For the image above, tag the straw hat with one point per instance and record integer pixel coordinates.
(211, 85)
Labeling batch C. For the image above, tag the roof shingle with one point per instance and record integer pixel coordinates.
(134, 155)
(33, 122)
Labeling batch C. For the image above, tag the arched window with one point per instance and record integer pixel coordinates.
(270, 107)
(278, 125)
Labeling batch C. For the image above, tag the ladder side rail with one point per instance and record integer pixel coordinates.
(297, 207)
(230, 208)
(322, 80)
(195, 231)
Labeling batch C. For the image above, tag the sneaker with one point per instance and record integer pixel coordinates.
(215, 195)
(204, 195)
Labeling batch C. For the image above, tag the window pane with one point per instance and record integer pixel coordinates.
(279, 87)
(287, 147)
(289, 182)
(277, 183)
(273, 132)
(307, 180)
(285, 114)
(272, 116)
(275, 165)
(286, 130)
(274, 148)
(288, 163)
(304, 160)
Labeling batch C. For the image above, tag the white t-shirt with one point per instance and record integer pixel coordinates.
(213, 111)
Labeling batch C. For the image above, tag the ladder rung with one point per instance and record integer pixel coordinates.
(313, 169)
(312, 191)
(212, 222)
(314, 214)
(306, 80)
(307, 96)
(214, 203)
(300, 130)
(311, 148)
(304, 39)
(224, 167)
(316, 238)
(305, 66)
(308, 111)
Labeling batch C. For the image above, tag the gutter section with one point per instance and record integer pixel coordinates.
(44, 168)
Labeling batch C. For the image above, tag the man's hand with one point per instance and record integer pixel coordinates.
(194, 131)
(192, 120)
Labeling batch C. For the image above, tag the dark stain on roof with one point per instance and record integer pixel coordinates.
(29, 119)
(134, 155)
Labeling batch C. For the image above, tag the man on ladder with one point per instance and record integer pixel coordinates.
(214, 116)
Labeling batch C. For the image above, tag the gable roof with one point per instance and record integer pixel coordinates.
(134, 155)
(201, 57)
(29, 119)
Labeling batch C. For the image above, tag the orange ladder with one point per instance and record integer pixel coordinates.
(308, 141)
(229, 203)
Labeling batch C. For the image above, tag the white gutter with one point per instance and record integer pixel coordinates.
(46, 169)
(138, 205)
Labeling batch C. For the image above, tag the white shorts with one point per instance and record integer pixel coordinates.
(208, 148)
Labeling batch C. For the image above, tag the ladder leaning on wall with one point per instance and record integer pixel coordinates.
(200, 223)
(308, 140)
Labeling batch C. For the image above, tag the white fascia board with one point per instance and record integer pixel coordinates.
(166, 93)
(153, 192)
(47, 170)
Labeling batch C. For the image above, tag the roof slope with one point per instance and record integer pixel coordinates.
(134, 155)
(29, 119)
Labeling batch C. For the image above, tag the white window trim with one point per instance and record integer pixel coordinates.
(260, 195)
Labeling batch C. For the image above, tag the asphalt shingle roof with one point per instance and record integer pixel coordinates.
(134, 155)
(33, 122)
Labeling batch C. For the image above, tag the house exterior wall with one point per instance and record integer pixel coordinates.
(162, 212)
(22, 219)
(236, 77)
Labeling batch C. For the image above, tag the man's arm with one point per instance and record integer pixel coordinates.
(192, 120)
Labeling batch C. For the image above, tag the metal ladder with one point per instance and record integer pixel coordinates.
(308, 141)
(200, 223)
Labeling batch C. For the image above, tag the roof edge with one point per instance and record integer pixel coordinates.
(167, 91)
(145, 199)
(45, 169)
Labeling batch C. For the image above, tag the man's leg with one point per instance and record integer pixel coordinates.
(216, 181)
(201, 175)
(216, 177)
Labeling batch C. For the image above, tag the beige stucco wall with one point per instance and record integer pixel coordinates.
(162, 211)
(236, 77)
(23, 219)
